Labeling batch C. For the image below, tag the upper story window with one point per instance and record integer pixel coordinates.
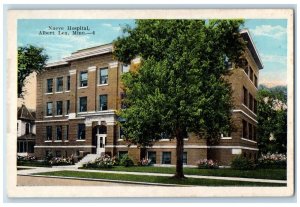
(125, 68)
(83, 104)
(83, 79)
(67, 132)
(81, 131)
(255, 81)
(245, 132)
(59, 84)
(58, 132)
(49, 85)
(250, 131)
(245, 97)
(49, 109)
(255, 106)
(103, 102)
(250, 102)
(103, 75)
(67, 106)
(49, 132)
(123, 96)
(27, 130)
(68, 83)
(59, 108)
(251, 73)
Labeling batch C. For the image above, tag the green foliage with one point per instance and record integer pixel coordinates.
(180, 84)
(242, 163)
(126, 161)
(272, 119)
(30, 59)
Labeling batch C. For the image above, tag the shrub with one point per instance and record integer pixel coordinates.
(61, 161)
(102, 162)
(242, 163)
(126, 161)
(144, 162)
(207, 164)
(26, 158)
(272, 161)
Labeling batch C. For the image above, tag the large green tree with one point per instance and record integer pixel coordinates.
(180, 84)
(272, 119)
(30, 59)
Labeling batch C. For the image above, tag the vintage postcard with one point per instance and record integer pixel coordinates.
(150, 103)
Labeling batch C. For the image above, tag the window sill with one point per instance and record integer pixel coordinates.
(49, 93)
(80, 140)
(67, 91)
(106, 84)
(82, 87)
(48, 141)
(58, 116)
(249, 140)
(66, 140)
(57, 140)
(226, 137)
(249, 109)
(48, 116)
(58, 92)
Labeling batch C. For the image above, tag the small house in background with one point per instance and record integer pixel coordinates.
(26, 131)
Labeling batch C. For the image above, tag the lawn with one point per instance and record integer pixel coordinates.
(274, 174)
(155, 179)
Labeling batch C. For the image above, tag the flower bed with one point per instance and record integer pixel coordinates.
(207, 164)
(26, 158)
(102, 162)
(272, 161)
(55, 161)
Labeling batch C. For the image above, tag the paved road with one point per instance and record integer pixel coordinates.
(42, 181)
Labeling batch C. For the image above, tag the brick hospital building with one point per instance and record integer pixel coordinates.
(77, 100)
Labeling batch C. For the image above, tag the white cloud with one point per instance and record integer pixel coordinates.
(274, 58)
(275, 32)
(111, 26)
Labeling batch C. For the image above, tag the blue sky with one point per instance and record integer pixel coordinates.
(270, 38)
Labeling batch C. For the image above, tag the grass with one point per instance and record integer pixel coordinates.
(274, 174)
(155, 179)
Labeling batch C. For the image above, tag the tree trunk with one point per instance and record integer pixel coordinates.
(179, 155)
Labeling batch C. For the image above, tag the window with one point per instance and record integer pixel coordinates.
(27, 131)
(49, 109)
(251, 74)
(68, 83)
(49, 132)
(59, 84)
(67, 132)
(244, 135)
(58, 153)
(184, 158)
(121, 133)
(250, 131)
(58, 132)
(59, 107)
(83, 79)
(49, 85)
(245, 96)
(123, 105)
(103, 76)
(122, 154)
(67, 106)
(254, 133)
(81, 131)
(250, 102)
(166, 158)
(255, 106)
(246, 69)
(152, 157)
(255, 81)
(125, 68)
(103, 102)
(82, 104)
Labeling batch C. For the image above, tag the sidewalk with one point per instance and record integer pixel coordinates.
(74, 168)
